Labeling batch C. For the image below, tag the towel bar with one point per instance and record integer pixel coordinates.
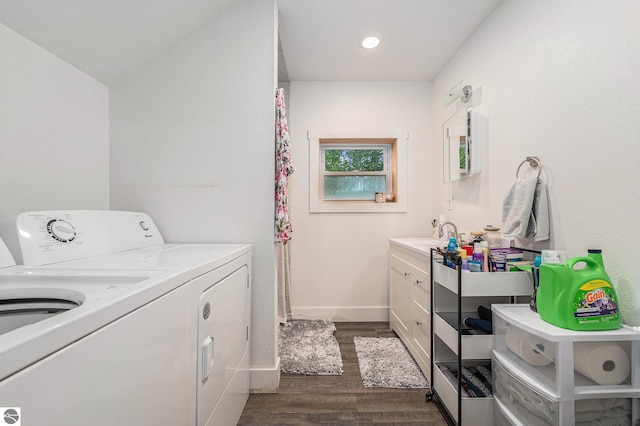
(533, 162)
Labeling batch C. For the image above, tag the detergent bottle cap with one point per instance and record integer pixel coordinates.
(596, 254)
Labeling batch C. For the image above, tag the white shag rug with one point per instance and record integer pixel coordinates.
(386, 363)
(309, 347)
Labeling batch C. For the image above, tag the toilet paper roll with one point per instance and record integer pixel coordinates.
(604, 363)
(533, 351)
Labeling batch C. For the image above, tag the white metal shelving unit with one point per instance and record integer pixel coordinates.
(455, 295)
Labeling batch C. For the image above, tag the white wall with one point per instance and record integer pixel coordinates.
(339, 261)
(193, 145)
(54, 131)
(558, 80)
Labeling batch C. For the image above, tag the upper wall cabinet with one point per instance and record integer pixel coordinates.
(461, 145)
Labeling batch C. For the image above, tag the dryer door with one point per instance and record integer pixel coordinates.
(222, 338)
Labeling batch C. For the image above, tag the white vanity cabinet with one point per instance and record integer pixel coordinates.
(410, 296)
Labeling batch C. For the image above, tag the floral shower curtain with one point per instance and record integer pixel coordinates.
(283, 228)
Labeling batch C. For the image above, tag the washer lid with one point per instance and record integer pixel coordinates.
(19, 312)
(5, 256)
(34, 304)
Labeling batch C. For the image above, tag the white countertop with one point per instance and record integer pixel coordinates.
(420, 245)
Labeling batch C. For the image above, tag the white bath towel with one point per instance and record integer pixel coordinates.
(517, 207)
(525, 210)
(538, 227)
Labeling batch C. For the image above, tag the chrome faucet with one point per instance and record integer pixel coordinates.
(455, 230)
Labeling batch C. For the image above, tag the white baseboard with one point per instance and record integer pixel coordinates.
(265, 380)
(344, 314)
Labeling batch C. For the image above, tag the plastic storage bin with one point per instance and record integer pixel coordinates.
(522, 401)
(580, 362)
(519, 403)
(565, 373)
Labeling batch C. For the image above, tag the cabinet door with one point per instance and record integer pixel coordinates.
(421, 342)
(399, 297)
(421, 294)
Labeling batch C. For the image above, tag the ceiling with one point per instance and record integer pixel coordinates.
(320, 37)
(110, 39)
(107, 39)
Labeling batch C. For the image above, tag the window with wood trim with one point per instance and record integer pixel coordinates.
(357, 169)
(348, 167)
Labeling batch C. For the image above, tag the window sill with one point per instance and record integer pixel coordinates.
(357, 207)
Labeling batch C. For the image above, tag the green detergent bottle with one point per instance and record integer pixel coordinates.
(577, 294)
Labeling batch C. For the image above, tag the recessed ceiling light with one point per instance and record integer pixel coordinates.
(370, 41)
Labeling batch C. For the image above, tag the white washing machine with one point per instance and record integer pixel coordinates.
(161, 335)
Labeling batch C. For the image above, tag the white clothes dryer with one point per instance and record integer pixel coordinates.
(170, 346)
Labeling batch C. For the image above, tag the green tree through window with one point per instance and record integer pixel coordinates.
(352, 160)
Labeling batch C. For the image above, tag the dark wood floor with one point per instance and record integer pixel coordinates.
(341, 400)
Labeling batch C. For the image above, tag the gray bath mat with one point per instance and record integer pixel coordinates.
(386, 363)
(309, 347)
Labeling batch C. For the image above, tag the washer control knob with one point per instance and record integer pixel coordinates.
(61, 230)
(144, 226)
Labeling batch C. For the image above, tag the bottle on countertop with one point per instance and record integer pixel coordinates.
(477, 252)
(452, 247)
(463, 257)
(484, 247)
(475, 263)
(485, 259)
(476, 237)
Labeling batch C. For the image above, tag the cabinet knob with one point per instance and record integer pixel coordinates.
(418, 323)
(406, 274)
(418, 282)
